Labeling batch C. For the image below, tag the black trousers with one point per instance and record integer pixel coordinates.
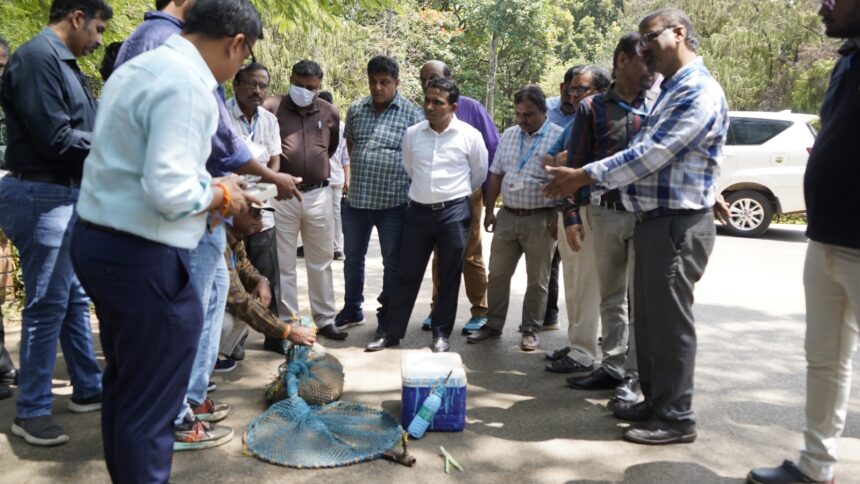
(552, 290)
(262, 251)
(150, 320)
(671, 255)
(447, 230)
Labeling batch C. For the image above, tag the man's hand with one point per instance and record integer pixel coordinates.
(287, 186)
(302, 336)
(565, 181)
(721, 210)
(552, 228)
(575, 234)
(547, 160)
(490, 220)
(561, 158)
(239, 200)
(263, 292)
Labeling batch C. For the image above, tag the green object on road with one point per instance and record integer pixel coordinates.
(449, 460)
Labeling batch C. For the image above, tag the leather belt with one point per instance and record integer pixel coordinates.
(439, 205)
(306, 187)
(102, 228)
(666, 212)
(523, 212)
(56, 179)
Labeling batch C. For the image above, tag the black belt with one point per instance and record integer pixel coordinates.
(665, 212)
(102, 228)
(56, 179)
(306, 187)
(612, 205)
(437, 206)
(523, 212)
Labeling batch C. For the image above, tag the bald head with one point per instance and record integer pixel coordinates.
(433, 69)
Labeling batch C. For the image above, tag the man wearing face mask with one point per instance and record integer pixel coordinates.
(51, 111)
(309, 130)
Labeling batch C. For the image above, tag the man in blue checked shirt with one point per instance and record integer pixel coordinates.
(667, 179)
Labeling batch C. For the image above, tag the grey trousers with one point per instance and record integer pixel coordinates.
(671, 255)
(614, 258)
(516, 235)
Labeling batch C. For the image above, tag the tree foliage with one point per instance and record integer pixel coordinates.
(768, 55)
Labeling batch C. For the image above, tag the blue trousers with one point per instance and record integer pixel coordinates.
(37, 217)
(357, 226)
(150, 319)
(448, 230)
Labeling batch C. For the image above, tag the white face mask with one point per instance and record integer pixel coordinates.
(301, 96)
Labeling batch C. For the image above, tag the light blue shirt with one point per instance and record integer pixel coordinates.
(555, 114)
(146, 172)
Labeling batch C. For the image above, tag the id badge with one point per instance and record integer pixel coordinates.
(517, 184)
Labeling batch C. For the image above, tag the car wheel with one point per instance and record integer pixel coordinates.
(750, 213)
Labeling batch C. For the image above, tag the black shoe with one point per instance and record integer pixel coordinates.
(5, 391)
(567, 364)
(637, 412)
(86, 405)
(380, 343)
(440, 344)
(300, 252)
(628, 390)
(787, 473)
(599, 380)
(557, 354)
(9, 378)
(338, 255)
(332, 332)
(657, 432)
(41, 431)
(273, 345)
(550, 325)
(484, 334)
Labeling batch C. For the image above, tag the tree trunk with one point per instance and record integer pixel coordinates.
(491, 75)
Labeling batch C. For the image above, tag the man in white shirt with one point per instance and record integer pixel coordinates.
(144, 203)
(259, 129)
(446, 160)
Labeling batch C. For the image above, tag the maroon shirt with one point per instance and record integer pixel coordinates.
(307, 140)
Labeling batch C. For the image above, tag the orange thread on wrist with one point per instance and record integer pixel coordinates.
(225, 199)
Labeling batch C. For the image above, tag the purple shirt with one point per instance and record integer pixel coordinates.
(229, 152)
(473, 113)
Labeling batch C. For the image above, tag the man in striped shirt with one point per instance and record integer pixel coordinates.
(667, 179)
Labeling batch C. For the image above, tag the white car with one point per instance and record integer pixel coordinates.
(764, 162)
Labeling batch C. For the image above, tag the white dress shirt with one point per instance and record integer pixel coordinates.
(146, 172)
(263, 137)
(444, 166)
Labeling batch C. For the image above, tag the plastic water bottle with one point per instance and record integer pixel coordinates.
(424, 417)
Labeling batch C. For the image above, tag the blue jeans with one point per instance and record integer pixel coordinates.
(210, 278)
(38, 218)
(357, 225)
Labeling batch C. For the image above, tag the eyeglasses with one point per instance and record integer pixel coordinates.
(253, 58)
(578, 90)
(254, 84)
(650, 36)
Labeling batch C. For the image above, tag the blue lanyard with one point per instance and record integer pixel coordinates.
(633, 110)
(252, 127)
(531, 151)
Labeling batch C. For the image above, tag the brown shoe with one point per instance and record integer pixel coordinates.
(530, 341)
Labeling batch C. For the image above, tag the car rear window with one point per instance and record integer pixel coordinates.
(751, 131)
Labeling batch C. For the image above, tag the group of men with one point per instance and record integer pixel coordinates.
(134, 204)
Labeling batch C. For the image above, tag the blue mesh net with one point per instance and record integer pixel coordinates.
(295, 434)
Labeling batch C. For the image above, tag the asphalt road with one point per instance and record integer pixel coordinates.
(523, 424)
